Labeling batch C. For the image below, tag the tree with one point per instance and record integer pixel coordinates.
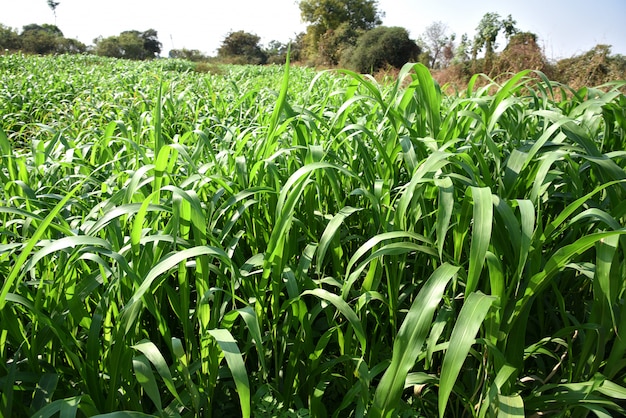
(108, 47)
(242, 47)
(381, 47)
(461, 52)
(509, 27)
(276, 52)
(487, 33)
(297, 47)
(187, 54)
(53, 6)
(47, 28)
(151, 44)
(436, 39)
(9, 38)
(334, 42)
(521, 53)
(70, 46)
(130, 44)
(327, 17)
(40, 39)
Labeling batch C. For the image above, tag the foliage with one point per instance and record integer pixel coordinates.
(334, 43)
(461, 52)
(381, 47)
(283, 242)
(521, 53)
(187, 54)
(9, 39)
(297, 47)
(242, 48)
(335, 24)
(437, 41)
(40, 39)
(132, 44)
(276, 52)
(596, 66)
(487, 32)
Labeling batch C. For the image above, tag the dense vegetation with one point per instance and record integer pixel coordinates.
(276, 241)
(348, 34)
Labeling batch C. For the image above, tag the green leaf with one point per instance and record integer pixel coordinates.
(228, 345)
(345, 310)
(409, 342)
(152, 353)
(481, 235)
(146, 379)
(34, 239)
(463, 336)
(510, 406)
(331, 231)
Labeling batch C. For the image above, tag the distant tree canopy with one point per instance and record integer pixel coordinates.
(335, 25)
(276, 52)
(187, 54)
(38, 39)
(9, 39)
(242, 48)
(439, 44)
(487, 32)
(130, 44)
(380, 47)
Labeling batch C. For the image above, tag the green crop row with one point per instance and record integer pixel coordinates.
(274, 241)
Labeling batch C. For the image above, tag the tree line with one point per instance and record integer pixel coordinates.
(344, 33)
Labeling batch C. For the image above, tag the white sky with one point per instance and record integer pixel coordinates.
(564, 27)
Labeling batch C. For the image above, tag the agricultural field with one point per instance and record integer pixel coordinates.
(275, 241)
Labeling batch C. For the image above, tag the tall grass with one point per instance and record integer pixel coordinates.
(290, 243)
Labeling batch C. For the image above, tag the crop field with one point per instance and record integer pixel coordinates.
(276, 241)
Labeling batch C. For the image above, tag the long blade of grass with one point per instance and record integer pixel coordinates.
(410, 340)
(345, 310)
(228, 345)
(152, 353)
(32, 242)
(481, 235)
(463, 336)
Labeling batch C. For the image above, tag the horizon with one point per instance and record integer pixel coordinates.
(190, 25)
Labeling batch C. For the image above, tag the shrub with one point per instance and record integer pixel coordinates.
(242, 48)
(522, 53)
(381, 47)
(594, 67)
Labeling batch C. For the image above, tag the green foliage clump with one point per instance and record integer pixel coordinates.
(39, 39)
(9, 39)
(242, 48)
(187, 54)
(335, 25)
(132, 44)
(381, 47)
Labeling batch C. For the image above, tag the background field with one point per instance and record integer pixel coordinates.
(281, 242)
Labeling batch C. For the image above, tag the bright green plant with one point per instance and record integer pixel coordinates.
(279, 241)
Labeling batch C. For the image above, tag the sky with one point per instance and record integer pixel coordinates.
(564, 27)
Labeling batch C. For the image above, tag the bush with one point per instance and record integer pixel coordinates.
(592, 68)
(242, 48)
(521, 53)
(381, 47)
(9, 38)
